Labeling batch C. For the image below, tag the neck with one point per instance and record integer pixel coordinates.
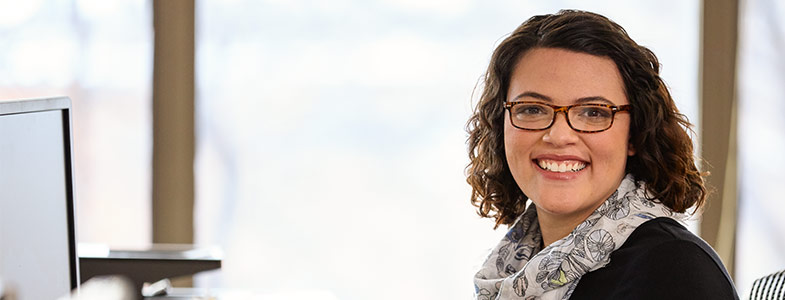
(554, 228)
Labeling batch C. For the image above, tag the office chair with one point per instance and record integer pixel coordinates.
(771, 286)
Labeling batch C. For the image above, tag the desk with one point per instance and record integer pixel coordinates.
(154, 263)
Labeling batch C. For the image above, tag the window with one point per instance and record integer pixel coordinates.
(761, 141)
(99, 53)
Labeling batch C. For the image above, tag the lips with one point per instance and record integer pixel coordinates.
(560, 165)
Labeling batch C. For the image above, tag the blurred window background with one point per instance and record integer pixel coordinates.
(331, 142)
(760, 236)
(99, 53)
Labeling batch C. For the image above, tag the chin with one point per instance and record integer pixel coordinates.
(561, 206)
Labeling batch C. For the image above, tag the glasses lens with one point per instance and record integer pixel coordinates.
(531, 115)
(591, 117)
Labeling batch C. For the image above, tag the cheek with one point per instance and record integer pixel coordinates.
(509, 138)
(517, 146)
(624, 140)
(613, 150)
(512, 141)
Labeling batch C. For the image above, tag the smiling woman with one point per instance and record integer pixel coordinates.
(593, 140)
(538, 160)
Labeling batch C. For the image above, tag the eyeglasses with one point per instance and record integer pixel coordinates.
(586, 118)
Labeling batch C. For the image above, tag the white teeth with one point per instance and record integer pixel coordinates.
(561, 167)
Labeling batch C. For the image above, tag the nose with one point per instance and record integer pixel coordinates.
(560, 134)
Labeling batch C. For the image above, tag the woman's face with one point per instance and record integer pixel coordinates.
(562, 77)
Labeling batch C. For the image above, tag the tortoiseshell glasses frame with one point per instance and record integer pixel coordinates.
(601, 118)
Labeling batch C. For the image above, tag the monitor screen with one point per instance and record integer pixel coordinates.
(37, 242)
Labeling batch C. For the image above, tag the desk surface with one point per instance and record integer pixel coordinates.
(147, 265)
(243, 294)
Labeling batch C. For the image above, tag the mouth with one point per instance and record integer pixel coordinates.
(560, 166)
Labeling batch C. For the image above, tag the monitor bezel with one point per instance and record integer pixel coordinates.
(63, 104)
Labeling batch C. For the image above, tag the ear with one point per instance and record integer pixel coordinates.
(630, 149)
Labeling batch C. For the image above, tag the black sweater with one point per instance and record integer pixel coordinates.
(660, 260)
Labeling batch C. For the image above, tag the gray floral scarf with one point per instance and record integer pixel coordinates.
(518, 269)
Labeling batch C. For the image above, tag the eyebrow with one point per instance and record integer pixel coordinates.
(580, 100)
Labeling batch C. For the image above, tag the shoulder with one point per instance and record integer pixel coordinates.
(660, 260)
(663, 248)
(662, 236)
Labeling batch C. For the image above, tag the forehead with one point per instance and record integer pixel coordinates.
(566, 76)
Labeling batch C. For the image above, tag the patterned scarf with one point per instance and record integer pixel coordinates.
(518, 269)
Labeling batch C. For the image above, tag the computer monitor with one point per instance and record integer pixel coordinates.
(37, 241)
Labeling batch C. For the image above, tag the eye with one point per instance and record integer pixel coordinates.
(528, 110)
(594, 112)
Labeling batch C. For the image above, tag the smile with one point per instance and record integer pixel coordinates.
(560, 166)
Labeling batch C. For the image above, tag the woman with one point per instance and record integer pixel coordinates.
(574, 117)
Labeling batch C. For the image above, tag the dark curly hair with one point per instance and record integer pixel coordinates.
(659, 134)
